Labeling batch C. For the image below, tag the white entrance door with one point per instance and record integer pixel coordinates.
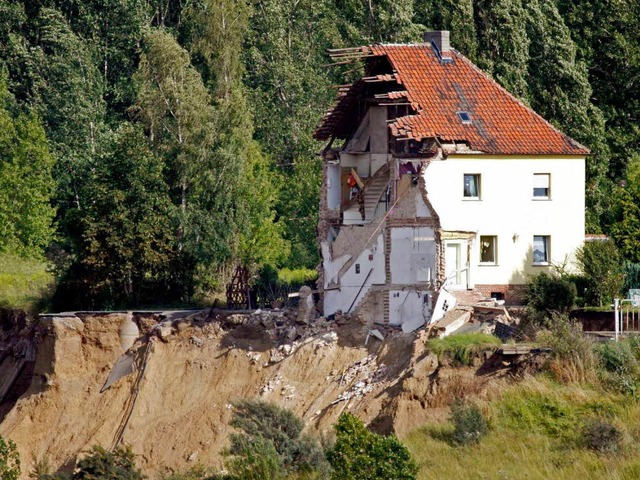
(455, 262)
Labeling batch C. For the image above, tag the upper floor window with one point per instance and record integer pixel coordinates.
(541, 185)
(541, 249)
(488, 249)
(471, 185)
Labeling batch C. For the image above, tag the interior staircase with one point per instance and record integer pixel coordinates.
(374, 188)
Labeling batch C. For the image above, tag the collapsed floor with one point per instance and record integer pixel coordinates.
(173, 402)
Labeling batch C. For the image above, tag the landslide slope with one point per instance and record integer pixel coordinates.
(174, 409)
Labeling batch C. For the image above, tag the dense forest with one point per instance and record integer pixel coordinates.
(147, 147)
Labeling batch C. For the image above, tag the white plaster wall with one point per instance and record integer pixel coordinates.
(412, 249)
(508, 210)
(411, 308)
(350, 282)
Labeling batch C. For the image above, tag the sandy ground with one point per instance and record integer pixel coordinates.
(175, 409)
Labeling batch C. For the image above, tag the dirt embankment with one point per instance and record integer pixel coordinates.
(175, 407)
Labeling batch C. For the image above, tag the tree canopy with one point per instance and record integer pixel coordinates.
(216, 102)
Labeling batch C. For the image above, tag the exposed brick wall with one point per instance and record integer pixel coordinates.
(513, 294)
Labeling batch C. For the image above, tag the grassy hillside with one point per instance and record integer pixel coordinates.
(539, 429)
(24, 283)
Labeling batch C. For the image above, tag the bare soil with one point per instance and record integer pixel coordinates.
(174, 411)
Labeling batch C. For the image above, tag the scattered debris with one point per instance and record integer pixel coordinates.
(374, 333)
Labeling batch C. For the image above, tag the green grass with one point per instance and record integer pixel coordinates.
(535, 434)
(461, 347)
(24, 283)
(290, 276)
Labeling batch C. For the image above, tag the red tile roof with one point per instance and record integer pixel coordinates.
(500, 123)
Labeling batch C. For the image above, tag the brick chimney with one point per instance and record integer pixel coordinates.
(440, 38)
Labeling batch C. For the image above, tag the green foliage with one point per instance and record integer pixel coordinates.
(619, 365)
(9, 460)
(272, 443)
(255, 458)
(469, 423)
(363, 455)
(261, 242)
(547, 294)
(574, 359)
(631, 276)
(462, 347)
(124, 241)
(102, 464)
(297, 277)
(26, 184)
(230, 92)
(625, 226)
(601, 266)
(601, 435)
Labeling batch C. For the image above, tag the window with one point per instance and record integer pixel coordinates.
(472, 185)
(464, 117)
(541, 184)
(540, 250)
(488, 249)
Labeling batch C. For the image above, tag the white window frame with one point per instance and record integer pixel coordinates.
(538, 179)
(494, 239)
(547, 249)
(478, 186)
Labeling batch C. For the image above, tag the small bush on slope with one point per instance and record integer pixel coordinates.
(266, 429)
(9, 460)
(601, 435)
(359, 454)
(469, 423)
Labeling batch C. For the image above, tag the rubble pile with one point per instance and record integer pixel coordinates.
(361, 377)
(283, 326)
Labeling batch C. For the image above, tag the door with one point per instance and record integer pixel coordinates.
(455, 265)
(452, 263)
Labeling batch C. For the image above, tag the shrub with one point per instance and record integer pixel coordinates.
(601, 435)
(619, 366)
(264, 424)
(9, 460)
(364, 455)
(255, 458)
(469, 423)
(601, 265)
(547, 294)
(100, 463)
(574, 359)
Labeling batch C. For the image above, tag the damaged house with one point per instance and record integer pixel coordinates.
(443, 183)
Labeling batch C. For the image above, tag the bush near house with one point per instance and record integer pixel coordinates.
(547, 294)
(603, 269)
